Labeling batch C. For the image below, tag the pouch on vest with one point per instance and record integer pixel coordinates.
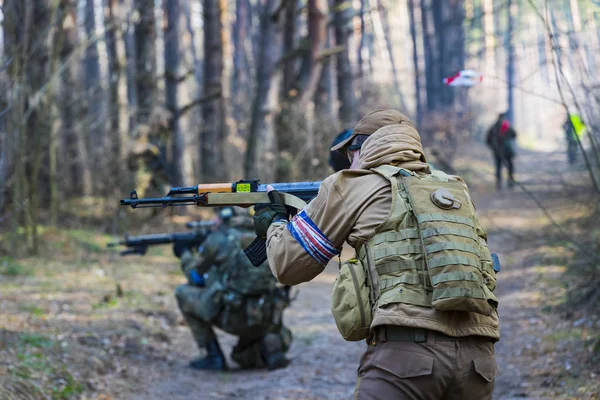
(350, 303)
(459, 264)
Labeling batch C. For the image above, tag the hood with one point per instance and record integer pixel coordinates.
(398, 145)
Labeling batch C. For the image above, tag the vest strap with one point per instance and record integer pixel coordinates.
(396, 236)
(409, 278)
(446, 218)
(455, 276)
(459, 292)
(378, 254)
(401, 265)
(452, 260)
(449, 230)
(434, 248)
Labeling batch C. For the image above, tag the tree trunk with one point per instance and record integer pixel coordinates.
(131, 61)
(94, 96)
(444, 44)
(72, 111)
(145, 53)
(261, 151)
(390, 50)
(25, 39)
(214, 110)
(317, 34)
(361, 45)
(57, 39)
(510, 64)
(289, 46)
(241, 76)
(428, 50)
(416, 65)
(118, 120)
(172, 38)
(325, 94)
(345, 80)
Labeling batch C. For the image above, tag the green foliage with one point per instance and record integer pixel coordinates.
(67, 388)
(29, 362)
(35, 340)
(107, 302)
(32, 309)
(86, 240)
(10, 267)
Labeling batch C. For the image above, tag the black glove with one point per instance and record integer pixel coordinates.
(179, 247)
(265, 214)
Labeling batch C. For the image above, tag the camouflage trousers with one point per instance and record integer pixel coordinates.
(255, 320)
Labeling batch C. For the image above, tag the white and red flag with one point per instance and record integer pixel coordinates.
(466, 77)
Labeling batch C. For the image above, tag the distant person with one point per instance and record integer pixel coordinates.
(501, 138)
(573, 128)
(337, 159)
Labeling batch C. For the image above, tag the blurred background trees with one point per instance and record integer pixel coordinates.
(100, 96)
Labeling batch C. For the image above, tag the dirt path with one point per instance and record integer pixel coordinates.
(324, 366)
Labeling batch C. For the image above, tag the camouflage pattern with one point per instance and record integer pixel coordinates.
(237, 297)
(147, 155)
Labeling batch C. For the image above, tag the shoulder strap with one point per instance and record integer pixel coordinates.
(444, 177)
(387, 171)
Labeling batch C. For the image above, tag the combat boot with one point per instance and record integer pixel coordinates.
(214, 360)
(276, 360)
(272, 352)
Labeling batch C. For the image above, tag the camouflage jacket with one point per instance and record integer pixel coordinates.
(221, 260)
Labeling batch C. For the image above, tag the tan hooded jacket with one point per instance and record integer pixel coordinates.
(349, 207)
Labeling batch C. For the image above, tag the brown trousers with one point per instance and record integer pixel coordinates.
(462, 369)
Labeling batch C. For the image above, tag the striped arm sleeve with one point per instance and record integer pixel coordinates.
(312, 240)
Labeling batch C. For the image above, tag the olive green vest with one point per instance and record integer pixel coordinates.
(428, 252)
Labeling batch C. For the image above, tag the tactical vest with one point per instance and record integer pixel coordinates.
(428, 252)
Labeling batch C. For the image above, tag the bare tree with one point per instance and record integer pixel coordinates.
(511, 9)
(345, 80)
(443, 40)
(172, 38)
(241, 65)
(118, 112)
(416, 64)
(94, 93)
(215, 128)
(262, 146)
(289, 47)
(25, 25)
(145, 53)
(383, 13)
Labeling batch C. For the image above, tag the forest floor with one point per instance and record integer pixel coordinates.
(68, 332)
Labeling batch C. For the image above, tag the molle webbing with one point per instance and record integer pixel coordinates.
(445, 218)
(396, 236)
(400, 265)
(467, 233)
(448, 260)
(452, 293)
(455, 276)
(440, 246)
(380, 253)
(420, 279)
